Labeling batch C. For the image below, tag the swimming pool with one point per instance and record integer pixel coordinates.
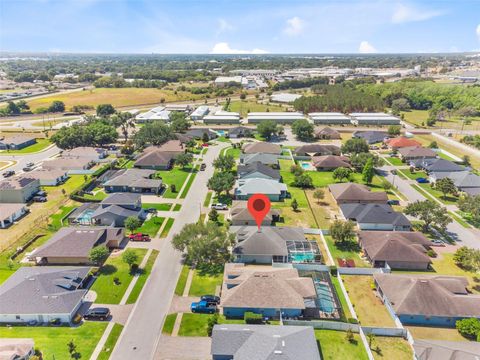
(221, 132)
(307, 166)
(302, 257)
(85, 217)
(325, 297)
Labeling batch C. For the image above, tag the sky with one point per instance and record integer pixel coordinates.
(240, 27)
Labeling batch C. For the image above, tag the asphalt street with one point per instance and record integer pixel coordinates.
(23, 159)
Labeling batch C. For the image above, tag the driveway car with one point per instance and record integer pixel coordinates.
(422, 180)
(203, 307)
(39, 199)
(99, 313)
(139, 237)
(393, 202)
(219, 206)
(210, 299)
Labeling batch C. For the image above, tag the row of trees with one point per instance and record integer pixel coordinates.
(97, 133)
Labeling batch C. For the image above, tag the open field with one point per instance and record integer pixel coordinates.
(417, 117)
(39, 146)
(369, 308)
(52, 341)
(334, 345)
(245, 106)
(118, 97)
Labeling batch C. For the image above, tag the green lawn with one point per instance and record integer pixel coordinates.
(204, 284)
(142, 279)
(207, 199)
(343, 301)
(167, 227)
(333, 345)
(415, 175)
(110, 343)
(5, 274)
(175, 176)
(426, 189)
(338, 253)
(52, 341)
(391, 348)
(235, 152)
(395, 161)
(177, 207)
(182, 280)
(56, 219)
(150, 226)
(159, 207)
(39, 146)
(169, 323)
(189, 184)
(97, 195)
(194, 325)
(107, 291)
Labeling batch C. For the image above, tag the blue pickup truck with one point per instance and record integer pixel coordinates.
(203, 307)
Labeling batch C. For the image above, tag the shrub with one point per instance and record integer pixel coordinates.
(469, 328)
(252, 318)
(333, 270)
(431, 253)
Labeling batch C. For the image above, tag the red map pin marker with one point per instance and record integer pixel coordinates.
(258, 206)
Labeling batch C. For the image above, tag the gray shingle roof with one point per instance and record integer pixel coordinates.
(42, 290)
(115, 210)
(446, 350)
(317, 149)
(429, 295)
(16, 183)
(330, 161)
(371, 137)
(239, 212)
(264, 342)
(267, 159)
(262, 186)
(122, 199)
(442, 165)
(374, 214)
(245, 170)
(135, 178)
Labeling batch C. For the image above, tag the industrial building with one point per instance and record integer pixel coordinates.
(278, 117)
(376, 119)
(222, 117)
(329, 118)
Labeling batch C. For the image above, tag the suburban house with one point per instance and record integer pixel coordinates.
(465, 181)
(92, 153)
(43, 294)
(372, 216)
(274, 190)
(326, 133)
(17, 142)
(266, 159)
(330, 162)
(269, 291)
(344, 193)
(433, 300)
(134, 180)
(71, 245)
(401, 142)
(72, 165)
(371, 137)
(19, 189)
(262, 147)
(9, 213)
(438, 165)
(160, 157)
(272, 244)
(446, 350)
(183, 138)
(240, 215)
(399, 249)
(263, 342)
(239, 132)
(311, 150)
(52, 177)
(199, 133)
(16, 348)
(258, 170)
(411, 153)
(111, 211)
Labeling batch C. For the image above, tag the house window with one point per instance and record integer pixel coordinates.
(17, 317)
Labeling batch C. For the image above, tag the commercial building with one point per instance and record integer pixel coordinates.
(18, 190)
(222, 117)
(374, 119)
(17, 142)
(199, 113)
(329, 118)
(284, 98)
(278, 117)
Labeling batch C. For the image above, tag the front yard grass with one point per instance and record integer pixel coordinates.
(52, 341)
(334, 345)
(175, 176)
(234, 152)
(40, 145)
(182, 280)
(391, 348)
(158, 207)
(142, 278)
(206, 202)
(370, 310)
(205, 284)
(107, 291)
(110, 343)
(448, 200)
(395, 161)
(194, 325)
(150, 226)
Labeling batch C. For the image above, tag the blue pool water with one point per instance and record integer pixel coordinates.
(324, 296)
(302, 257)
(221, 132)
(306, 165)
(85, 217)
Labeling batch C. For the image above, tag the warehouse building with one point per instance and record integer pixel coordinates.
(375, 119)
(199, 113)
(278, 117)
(329, 118)
(222, 117)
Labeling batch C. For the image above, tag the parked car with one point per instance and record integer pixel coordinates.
(203, 167)
(99, 313)
(139, 237)
(41, 193)
(27, 169)
(203, 307)
(219, 206)
(393, 202)
(8, 173)
(437, 242)
(205, 145)
(394, 171)
(422, 180)
(30, 164)
(39, 199)
(210, 299)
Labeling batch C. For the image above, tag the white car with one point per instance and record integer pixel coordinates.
(437, 242)
(219, 206)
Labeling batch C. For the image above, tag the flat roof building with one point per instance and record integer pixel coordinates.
(284, 97)
(377, 119)
(279, 117)
(222, 117)
(329, 118)
(199, 113)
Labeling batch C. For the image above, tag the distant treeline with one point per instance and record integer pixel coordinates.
(298, 84)
(339, 98)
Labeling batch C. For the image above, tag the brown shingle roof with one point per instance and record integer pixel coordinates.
(330, 161)
(429, 295)
(320, 149)
(262, 147)
(417, 151)
(327, 132)
(351, 192)
(239, 212)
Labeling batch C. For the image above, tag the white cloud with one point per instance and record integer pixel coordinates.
(224, 26)
(405, 13)
(478, 31)
(224, 48)
(366, 48)
(295, 26)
